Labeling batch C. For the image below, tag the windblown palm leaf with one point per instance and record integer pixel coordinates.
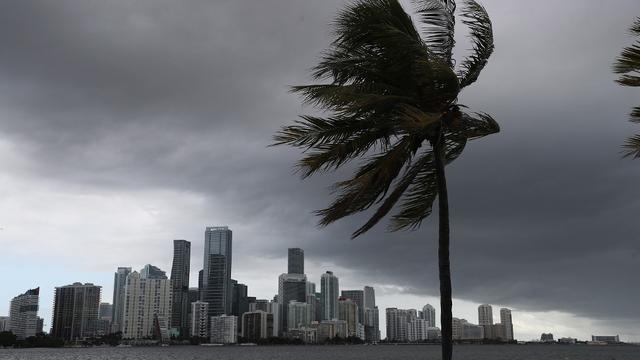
(390, 93)
(628, 66)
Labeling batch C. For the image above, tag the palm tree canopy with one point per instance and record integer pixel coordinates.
(627, 65)
(389, 89)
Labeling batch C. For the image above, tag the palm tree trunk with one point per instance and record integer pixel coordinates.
(446, 316)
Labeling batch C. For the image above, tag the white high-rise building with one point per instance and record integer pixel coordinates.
(485, 315)
(147, 303)
(418, 330)
(329, 289)
(429, 314)
(300, 315)
(505, 320)
(398, 321)
(199, 319)
(224, 329)
(23, 314)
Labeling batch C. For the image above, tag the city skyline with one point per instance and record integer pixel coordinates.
(484, 311)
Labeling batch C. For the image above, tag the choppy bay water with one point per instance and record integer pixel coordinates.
(380, 352)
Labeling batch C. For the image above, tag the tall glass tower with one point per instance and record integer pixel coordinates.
(119, 280)
(216, 275)
(180, 286)
(295, 261)
(329, 296)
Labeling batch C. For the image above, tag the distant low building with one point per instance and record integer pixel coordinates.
(546, 337)
(433, 333)
(567, 340)
(257, 325)
(199, 319)
(607, 339)
(4, 323)
(224, 329)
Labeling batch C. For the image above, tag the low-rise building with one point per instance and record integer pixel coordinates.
(224, 329)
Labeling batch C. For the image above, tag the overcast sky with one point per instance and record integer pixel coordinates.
(124, 125)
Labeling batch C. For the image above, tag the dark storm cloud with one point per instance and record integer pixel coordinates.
(185, 96)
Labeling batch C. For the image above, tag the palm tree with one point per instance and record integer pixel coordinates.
(628, 66)
(391, 95)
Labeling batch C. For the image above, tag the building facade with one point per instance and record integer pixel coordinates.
(147, 303)
(329, 290)
(507, 323)
(429, 314)
(257, 325)
(348, 311)
(180, 269)
(398, 321)
(76, 311)
(224, 329)
(371, 324)
(199, 319)
(5, 322)
(357, 296)
(23, 314)
(485, 315)
(300, 314)
(119, 281)
(291, 287)
(216, 278)
(295, 261)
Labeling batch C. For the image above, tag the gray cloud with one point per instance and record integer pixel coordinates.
(155, 95)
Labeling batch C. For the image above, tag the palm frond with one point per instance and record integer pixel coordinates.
(390, 201)
(371, 181)
(632, 147)
(418, 199)
(471, 127)
(628, 63)
(481, 32)
(438, 19)
(311, 131)
(635, 115)
(635, 28)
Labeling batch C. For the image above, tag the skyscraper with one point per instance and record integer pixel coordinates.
(299, 315)
(348, 311)
(371, 323)
(291, 287)
(329, 288)
(296, 261)
(240, 299)
(505, 320)
(485, 315)
(75, 311)
(119, 280)
(147, 303)
(216, 279)
(398, 321)
(180, 286)
(429, 314)
(357, 296)
(23, 314)
(369, 297)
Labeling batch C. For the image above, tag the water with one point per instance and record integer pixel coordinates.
(404, 352)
